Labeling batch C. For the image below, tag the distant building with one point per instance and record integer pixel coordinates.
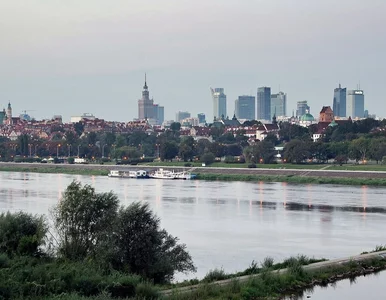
(355, 103)
(159, 114)
(9, 114)
(182, 115)
(339, 103)
(3, 116)
(88, 116)
(219, 103)
(326, 114)
(263, 103)
(201, 118)
(306, 120)
(189, 122)
(245, 107)
(145, 105)
(278, 105)
(302, 108)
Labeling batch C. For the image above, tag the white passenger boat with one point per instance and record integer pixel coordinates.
(163, 174)
(115, 173)
(183, 175)
(141, 174)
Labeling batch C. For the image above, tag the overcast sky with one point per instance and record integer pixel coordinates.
(75, 56)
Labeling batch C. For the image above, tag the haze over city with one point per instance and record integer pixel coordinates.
(90, 56)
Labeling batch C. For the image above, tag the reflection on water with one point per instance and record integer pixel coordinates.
(229, 224)
(365, 287)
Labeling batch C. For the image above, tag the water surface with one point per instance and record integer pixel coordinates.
(229, 224)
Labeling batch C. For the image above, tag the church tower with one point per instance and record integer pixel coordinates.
(9, 114)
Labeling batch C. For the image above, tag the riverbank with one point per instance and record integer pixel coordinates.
(269, 283)
(303, 176)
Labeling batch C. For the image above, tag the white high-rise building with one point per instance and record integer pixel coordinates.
(355, 104)
(219, 103)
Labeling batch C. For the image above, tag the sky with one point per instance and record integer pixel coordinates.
(90, 56)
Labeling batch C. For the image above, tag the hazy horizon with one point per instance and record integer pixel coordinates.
(91, 55)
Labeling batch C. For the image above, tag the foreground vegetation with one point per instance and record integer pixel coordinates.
(98, 250)
(93, 247)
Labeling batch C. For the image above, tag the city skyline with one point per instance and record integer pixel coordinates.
(91, 55)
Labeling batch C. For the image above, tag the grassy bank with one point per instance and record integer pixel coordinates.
(294, 179)
(55, 170)
(211, 176)
(47, 278)
(274, 285)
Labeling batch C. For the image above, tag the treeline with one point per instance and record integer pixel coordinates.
(348, 140)
(93, 247)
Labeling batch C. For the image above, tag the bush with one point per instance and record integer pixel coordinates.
(146, 291)
(22, 234)
(252, 166)
(71, 160)
(187, 164)
(215, 275)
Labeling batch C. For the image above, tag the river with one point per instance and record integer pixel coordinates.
(229, 224)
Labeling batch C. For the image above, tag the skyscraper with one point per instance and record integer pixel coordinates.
(278, 104)
(355, 103)
(182, 115)
(159, 114)
(339, 104)
(245, 107)
(264, 103)
(219, 103)
(201, 118)
(302, 108)
(145, 104)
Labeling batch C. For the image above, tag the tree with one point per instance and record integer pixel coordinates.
(92, 138)
(377, 149)
(186, 149)
(71, 137)
(233, 150)
(296, 151)
(359, 149)
(143, 248)
(79, 127)
(83, 219)
(23, 144)
(168, 150)
(22, 234)
(175, 126)
(203, 146)
(127, 153)
(261, 152)
(207, 158)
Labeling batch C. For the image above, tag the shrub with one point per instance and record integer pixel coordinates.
(146, 291)
(215, 275)
(71, 160)
(252, 166)
(22, 234)
(187, 164)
